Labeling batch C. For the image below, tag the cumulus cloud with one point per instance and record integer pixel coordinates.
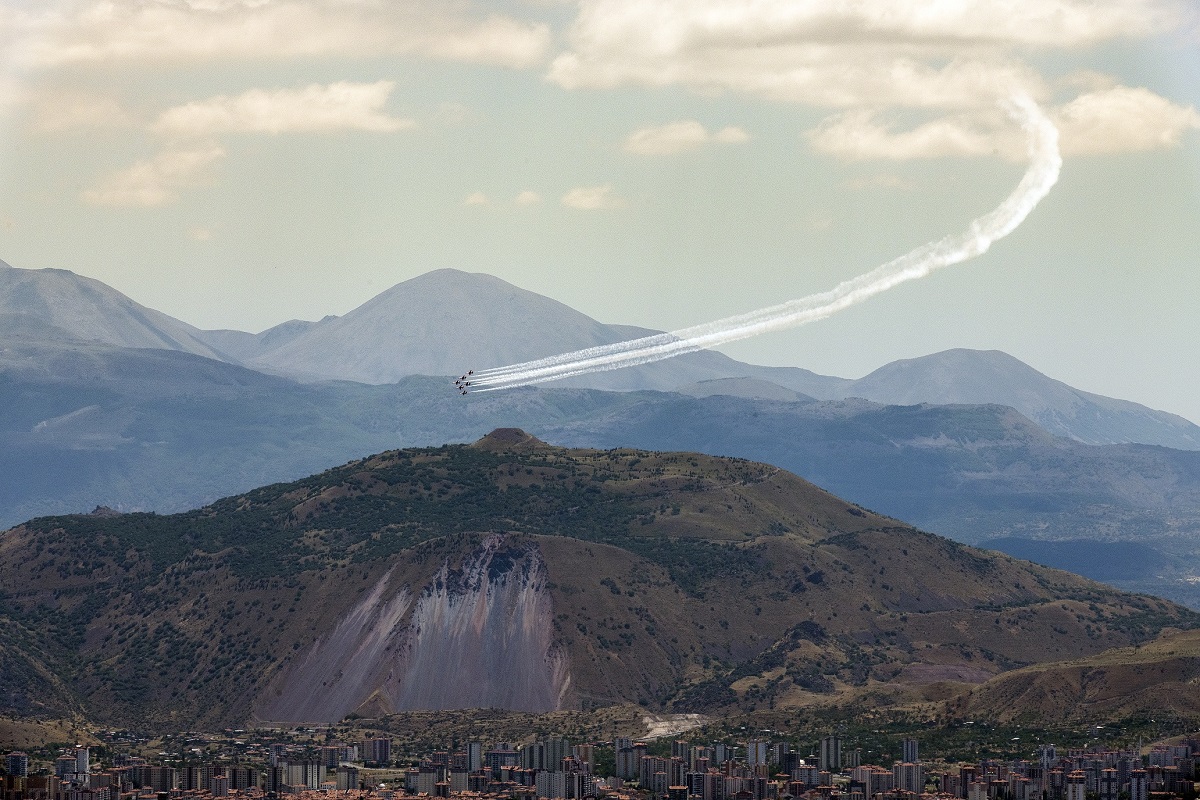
(679, 137)
(860, 134)
(476, 199)
(592, 198)
(157, 181)
(1113, 120)
(909, 52)
(113, 31)
(312, 109)
(953, 60)
(1122, 119)
(528, 198)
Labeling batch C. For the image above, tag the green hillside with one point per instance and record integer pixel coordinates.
(678, 581)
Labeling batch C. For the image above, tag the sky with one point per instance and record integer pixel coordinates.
(239, 163)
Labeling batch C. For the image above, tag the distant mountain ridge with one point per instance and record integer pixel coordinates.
(447, 321)
(89, 310)
(992, 376)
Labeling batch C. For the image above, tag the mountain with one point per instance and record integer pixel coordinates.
(990, 376)
(158, 430)
(88, 310)
(87, 424)
(447, 321)
(510, 573)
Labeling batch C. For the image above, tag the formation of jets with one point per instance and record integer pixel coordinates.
(462, 383)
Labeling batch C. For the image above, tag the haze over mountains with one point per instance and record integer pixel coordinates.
(92, 421)
(447, 321)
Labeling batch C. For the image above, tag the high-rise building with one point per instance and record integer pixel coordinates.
(551, 784)
(17, 764)
(500, 756)
(586, 753)
(474, 756)
(1110, 784)
(830, 759)
(1139, 785)
(64, 767)
(756, 753)
(377, 751)
(909, 777)
(629, 761)
(241, 778)
(909, 751)
(1076, 786)
(533, 756)
(347, 778)
(83, 769)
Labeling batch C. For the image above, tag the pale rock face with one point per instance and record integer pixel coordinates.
(338, 672)
(483, 638)
(476, 637)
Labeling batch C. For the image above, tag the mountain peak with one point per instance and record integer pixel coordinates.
(509, 439)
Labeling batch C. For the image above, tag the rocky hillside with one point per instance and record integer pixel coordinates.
(1160, 677)
(514, 574)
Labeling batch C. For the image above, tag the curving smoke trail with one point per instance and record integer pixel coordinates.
(1041, 175)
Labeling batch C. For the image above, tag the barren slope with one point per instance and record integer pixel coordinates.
(539, 577)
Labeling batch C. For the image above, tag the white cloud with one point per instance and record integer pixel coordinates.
(108, 31)
(954, 58)
(476, 199)
(200, 234)
(528, 198)
(592, 198)
(1111, 120)
(679, 137)
(731, 135)
(313, 109)
(157, 181)
(1122, 119)
(912, 52)
(909, 52)
(856, 135)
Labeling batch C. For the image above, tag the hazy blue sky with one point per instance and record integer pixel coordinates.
(237, 163)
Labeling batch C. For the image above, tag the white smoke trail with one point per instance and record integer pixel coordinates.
(1045, 163)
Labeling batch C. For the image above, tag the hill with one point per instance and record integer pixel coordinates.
(429, 578)
(157, 430)
(991, 377)
(1157, 678)
(447, 321)
(76, 307)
